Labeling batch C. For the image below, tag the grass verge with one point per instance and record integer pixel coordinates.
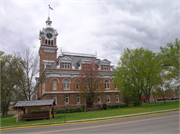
(59, 118)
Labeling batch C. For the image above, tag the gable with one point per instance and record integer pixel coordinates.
(65, 59)
(105, 62)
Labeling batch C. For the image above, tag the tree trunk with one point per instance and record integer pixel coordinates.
(5, 111)
(92, 105)
(140, 101)
(164, 99)
(154, 98)
(147, 99)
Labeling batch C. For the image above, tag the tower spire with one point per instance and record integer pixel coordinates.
(48, 22)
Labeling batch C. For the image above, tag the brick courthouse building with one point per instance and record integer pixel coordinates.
(58, 76)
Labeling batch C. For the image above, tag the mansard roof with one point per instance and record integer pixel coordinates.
(76, 59)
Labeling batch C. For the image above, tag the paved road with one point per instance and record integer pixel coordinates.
(161, 123)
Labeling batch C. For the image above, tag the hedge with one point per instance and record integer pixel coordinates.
(122, 105)
(104, 106)
(68, 110)
(113, 106)
(117, 106)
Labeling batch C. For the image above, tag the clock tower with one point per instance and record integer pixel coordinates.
(48, 45)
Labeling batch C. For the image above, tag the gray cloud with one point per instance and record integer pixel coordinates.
(85, 27)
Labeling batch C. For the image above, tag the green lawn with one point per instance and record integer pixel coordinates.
(59, 118)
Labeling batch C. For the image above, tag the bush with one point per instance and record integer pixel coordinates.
(59, 111)
(122, 105)
(83, 107)
(114, 106)
(104, 106)
(68, 110)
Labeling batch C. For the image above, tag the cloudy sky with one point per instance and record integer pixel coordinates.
(86, 26)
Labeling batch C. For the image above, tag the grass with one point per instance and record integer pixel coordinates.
(6, 116)
(59, 118)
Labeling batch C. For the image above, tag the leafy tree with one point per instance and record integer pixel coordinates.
(170, 55)
(91, 85)
(137, 72)
(11, 71)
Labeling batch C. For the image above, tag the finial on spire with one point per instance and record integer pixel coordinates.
(48, 22)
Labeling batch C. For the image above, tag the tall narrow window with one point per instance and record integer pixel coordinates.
(43, 88)
(97, 85)
(99, 98)
(52, 42)
(108, 98)
(77, 85)
(115, 86)
(49, 42)
(66, 84)
(52, 55)
(54, 85)
(117, 97)
(55, 99)
(67, 99)
(45, 55)
(46, 42)
(106, 84)
(78, 99)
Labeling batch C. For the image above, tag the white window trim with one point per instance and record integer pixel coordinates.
(55, 98)
(43, 88)
(54, 85)
(76, 85)
(105, 84)
(105, 67)
(78, 96)
(99, 98)
(117, 97)
(65, 65)
(109, 98)
(66, 84)
(115, 86)
(68, 99)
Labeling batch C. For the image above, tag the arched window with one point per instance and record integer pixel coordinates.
(77, 85)
(49, 42)
(106, 84)
(46, 42)
(66, 84)
(54, 85)
(52, 42)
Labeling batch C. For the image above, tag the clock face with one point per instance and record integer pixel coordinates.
(49, 35)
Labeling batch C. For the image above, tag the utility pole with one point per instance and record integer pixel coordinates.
(65, 111)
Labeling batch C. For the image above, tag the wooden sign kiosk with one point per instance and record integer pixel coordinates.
(35, 104)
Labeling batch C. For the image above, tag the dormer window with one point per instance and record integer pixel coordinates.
(105, 67)
(85, 66)
(66, 65)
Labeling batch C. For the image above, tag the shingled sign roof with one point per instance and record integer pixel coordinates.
(35, 103)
